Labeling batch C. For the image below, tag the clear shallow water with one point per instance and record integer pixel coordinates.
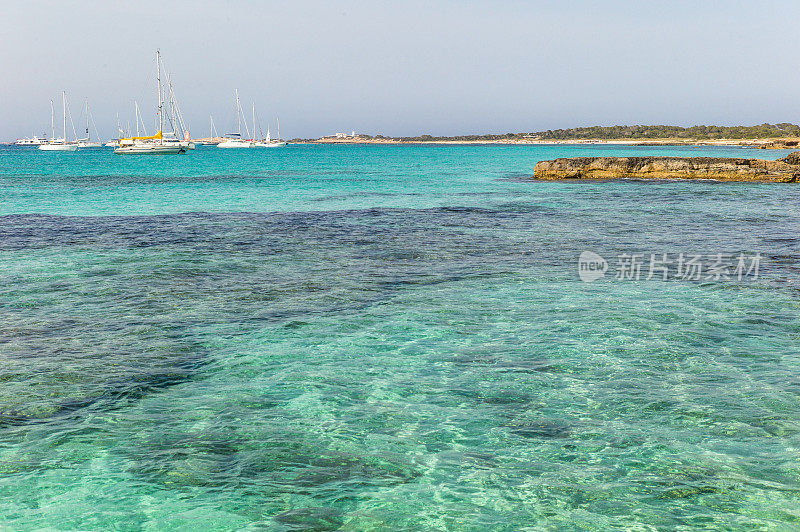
(388, 338)
(298, 178)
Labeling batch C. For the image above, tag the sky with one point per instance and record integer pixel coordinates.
(404, 68)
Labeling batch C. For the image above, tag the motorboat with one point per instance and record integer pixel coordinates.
(31, 141)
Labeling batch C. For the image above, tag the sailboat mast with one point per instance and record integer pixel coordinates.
(238, 114)
(52, 122)
(176, 121)
(87, 118)
(278, 120)
(254, 120)
(64, 108)
(158, 77)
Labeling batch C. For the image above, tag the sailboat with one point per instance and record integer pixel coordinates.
(213, 136)
(268, 142)
(234, 140)
(87, 142)
(155, 144)
(178, 127)
(137, 117)
(115, 142)
(59, 144)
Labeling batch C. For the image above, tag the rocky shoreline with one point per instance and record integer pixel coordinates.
(786, 170)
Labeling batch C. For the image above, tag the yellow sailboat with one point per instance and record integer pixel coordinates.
(154, 144)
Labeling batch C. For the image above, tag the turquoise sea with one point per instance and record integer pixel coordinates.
(390, 338)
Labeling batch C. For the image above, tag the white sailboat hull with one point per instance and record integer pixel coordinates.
(233, 143)
(185, 144)
(270, 144)
(152, 149)
(58, 147)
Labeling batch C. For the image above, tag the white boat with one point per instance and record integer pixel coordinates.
(213, 138)
(185, 144)
(150, 149)
(179, 131)
(125, 136)
(155, 144)
(115, 142)
(235, 140)
(31, 141)
(269, 142)
(58, 147)
(88, 142)
(235, 143)
(59, 144)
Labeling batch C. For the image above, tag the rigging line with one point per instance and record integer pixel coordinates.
(91, 117)
(74, 131)
(257, 119)
(177, 109)
(246, 129)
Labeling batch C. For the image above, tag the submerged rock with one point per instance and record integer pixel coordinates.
(310, 519)
(543, 430)
(715, 168)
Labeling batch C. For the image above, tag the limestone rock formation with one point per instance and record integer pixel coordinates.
(792, 158)
(716, 168)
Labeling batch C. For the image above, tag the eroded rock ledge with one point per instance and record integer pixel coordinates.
(786, 170)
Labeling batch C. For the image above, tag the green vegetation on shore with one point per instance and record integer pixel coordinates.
(638, 132)
(764, 131)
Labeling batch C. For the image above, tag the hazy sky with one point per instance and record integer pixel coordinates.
(405, 68)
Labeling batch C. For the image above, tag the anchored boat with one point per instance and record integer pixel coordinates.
(31, 141)
(155, 144)
(235, 140)
(268, 141)
(152, 145)
(59, 144)
(87, 141)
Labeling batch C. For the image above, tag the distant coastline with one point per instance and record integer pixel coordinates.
(766, 143)
(765, 136)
